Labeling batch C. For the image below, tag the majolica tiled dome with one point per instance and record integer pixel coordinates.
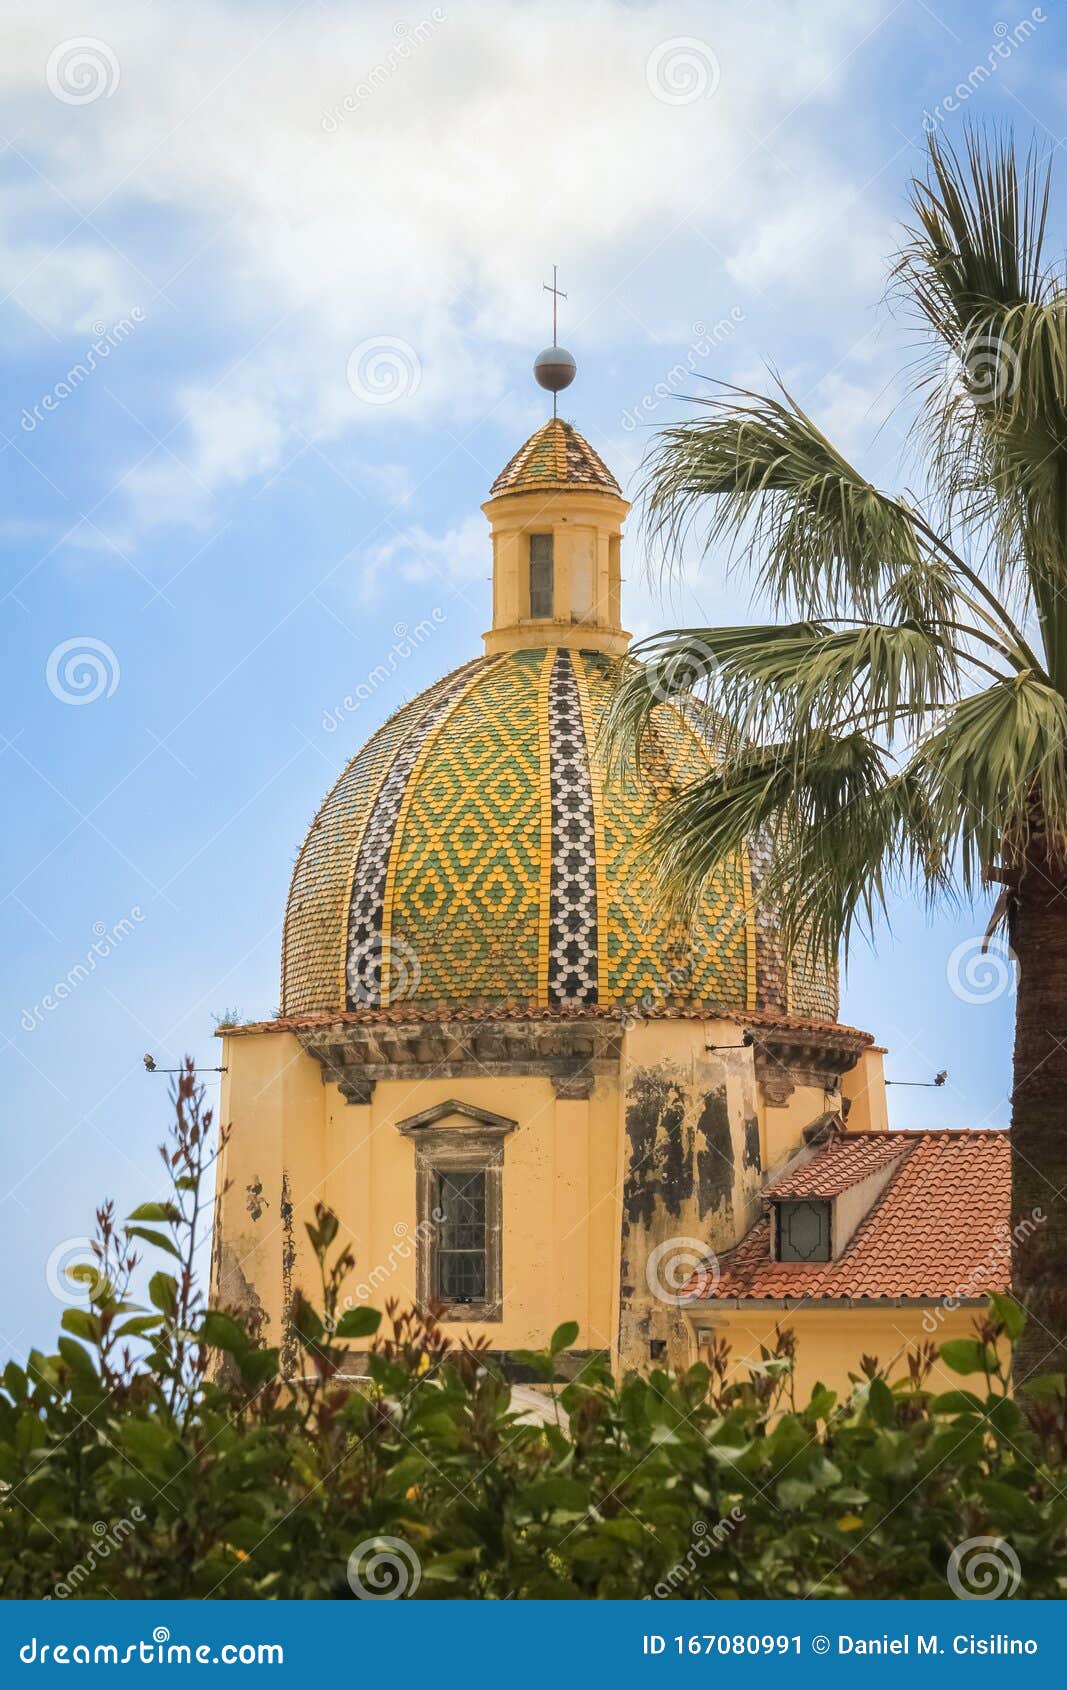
(474, 853)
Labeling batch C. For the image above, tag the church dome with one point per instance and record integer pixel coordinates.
(477, 853)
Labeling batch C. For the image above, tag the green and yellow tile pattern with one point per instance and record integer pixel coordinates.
(468, 853)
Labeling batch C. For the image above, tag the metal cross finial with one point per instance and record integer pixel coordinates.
(557, 295)
(554, 367)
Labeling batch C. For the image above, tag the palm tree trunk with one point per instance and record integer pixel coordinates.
(1039, 1114)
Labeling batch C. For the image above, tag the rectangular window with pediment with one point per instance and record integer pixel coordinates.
(459, 1196)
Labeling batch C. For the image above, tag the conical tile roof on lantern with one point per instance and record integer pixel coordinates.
(557, 456)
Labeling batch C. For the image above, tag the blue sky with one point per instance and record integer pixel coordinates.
(255, 213)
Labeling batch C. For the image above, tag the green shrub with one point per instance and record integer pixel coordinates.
(157, 1452)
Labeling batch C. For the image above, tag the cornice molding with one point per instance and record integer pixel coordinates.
(570, 1053)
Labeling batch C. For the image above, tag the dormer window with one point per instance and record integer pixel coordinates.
(541, 576)
(802, 1230)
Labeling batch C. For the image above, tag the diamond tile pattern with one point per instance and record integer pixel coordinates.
(941, 1228)
(476, 850)
(652, 959)
(367, 904)
(313, 950)
(467, 867)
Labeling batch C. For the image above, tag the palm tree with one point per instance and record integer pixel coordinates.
(906, 727)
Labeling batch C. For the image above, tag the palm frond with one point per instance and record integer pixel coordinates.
(978, 242)
(762, 682)
(833, 822)
(994, 387)
(819, 535)
(997, 761)
(900, 725)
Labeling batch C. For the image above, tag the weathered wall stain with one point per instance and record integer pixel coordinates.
(691, 1181)
(752, 1148)
(678, 1194)
(658, 1169)
(235, 1290)
(256, 1202)
(715, 1155)
(288, 1357)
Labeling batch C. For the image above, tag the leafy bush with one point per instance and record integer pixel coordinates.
(158, 1452)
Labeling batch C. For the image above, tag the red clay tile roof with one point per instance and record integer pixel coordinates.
(941, 1228)
(845, 1159)
(556, 456)
(771, 1022)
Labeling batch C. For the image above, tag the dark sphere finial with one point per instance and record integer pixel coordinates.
(554, 369)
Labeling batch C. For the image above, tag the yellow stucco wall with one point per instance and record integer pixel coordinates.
(830, 1342)
(270, 1173)
(668, 1153)
(864, 1088)
(560, 1189)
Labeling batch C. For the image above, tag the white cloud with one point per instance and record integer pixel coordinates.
(817, 223)
(455, 559)
(426, 212)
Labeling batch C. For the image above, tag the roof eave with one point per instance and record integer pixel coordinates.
(933, 1300)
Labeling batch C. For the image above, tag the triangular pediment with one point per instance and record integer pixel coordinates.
(459, 1115)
